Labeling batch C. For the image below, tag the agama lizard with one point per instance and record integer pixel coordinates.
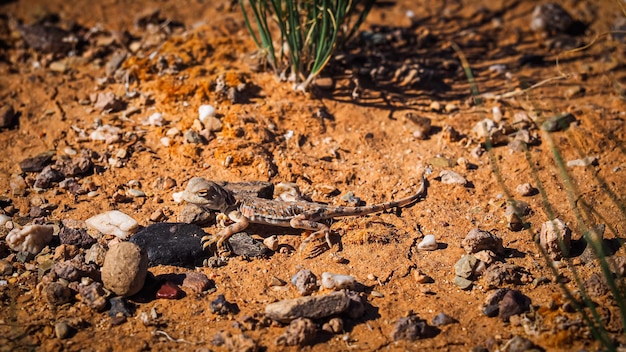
(245, 209)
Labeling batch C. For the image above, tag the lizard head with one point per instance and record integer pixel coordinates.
(203, 192)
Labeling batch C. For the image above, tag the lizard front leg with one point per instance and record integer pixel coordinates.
(240, 224)
(320, 230)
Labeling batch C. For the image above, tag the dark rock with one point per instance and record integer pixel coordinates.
(312, 307)
(36, 163)
(76, 237)
(305, 282)
(7, 116)
(93, 295)
(222, 307)
(551, 18)
(120, 307)
(62, 330)
(491, 311)
(37, 212)
(74, 167)
(443, 319)
(514, 302)
(356, 308)
(558, 123)
(47, 38)
(57, 294)
(173, 244)
(75, 269)
(169, 290)
(243, 245)
(47, 177)
(300, 332)
(412, 328)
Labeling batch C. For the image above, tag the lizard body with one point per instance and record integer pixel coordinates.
(246, 209)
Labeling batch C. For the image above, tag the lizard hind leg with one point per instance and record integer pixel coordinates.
(319, 230)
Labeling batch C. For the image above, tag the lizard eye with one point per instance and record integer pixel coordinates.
(203, 193)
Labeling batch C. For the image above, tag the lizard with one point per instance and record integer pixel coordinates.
(245, 209)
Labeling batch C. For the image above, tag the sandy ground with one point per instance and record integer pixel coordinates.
(361, 135)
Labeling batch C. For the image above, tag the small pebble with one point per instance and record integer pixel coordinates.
(271, 243)
(452, 178)
(93, 295)
(514, 302)
(411, 328)
(421, 278)
(156, 119)
(197, 282)
(56, 294)
(7, 116)
(451, 107)
(428, 243)
(300, 332)
(221, 306)
(478, 240)
(586, 161)
(525, 190)
(333, 326)
(205, 111)
(169, 290)
(443, 319)
(305, 282)
(157, 215)
(62, 330)
(337, 281)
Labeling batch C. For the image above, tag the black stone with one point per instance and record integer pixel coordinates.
(243, 245)
(36, 163)
(175, 244)
(222, 307)
(120, 307)
(514, 302)
(443, 319)
(412, 328)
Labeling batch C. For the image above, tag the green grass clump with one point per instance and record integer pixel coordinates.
(308, 32)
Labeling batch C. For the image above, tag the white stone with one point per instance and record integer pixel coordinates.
(586, 161)
(166, 141)
(155, 119)
(205, 111)
(4, 219)
(107, 133)
(496, 113)
(429, 243)
(113, 222)
(484, 127)
(452, 178)
(337, 281)
(30, 238)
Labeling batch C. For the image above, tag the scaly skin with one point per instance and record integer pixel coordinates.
(244, 210)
